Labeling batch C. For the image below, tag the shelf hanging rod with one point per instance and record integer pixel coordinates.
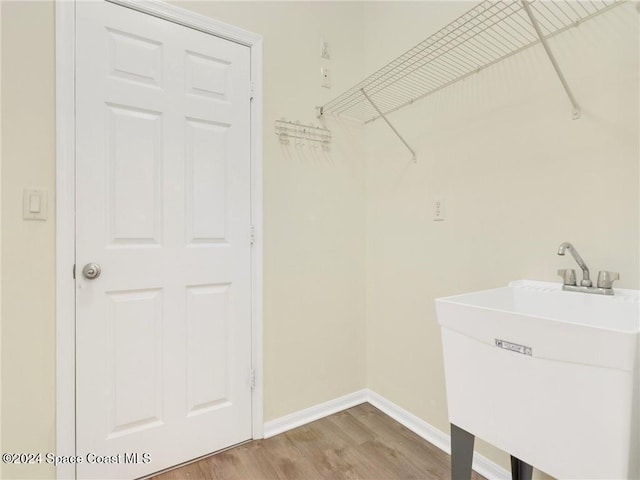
(576, 108)
(382, 115)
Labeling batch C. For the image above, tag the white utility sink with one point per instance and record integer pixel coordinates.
(547, 375)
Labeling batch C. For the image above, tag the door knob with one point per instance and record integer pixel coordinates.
(91, 271)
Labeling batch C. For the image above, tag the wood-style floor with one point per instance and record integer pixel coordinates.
(358, 443)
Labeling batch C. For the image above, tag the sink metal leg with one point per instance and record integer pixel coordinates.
(520, 470)
(461, 453)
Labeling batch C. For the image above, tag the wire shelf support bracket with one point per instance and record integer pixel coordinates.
(383, 116)
(536, 26)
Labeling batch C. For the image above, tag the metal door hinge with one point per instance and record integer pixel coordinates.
(252, 379)
(252, 235)
(74, 271)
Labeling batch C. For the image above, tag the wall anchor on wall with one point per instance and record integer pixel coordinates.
(301, 134)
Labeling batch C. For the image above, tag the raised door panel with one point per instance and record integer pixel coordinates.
(208, 348)
(206, 194)
(134, 158)
(135, 58)
(135, 343)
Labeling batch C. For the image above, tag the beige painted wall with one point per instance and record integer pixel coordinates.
(314, 217)
(28, 248)
(0, 235)
(517, 175)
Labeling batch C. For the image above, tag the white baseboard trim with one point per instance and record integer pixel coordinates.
(311, 414)
(413, 423)
(481, 464)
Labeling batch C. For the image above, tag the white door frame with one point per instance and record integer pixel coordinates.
(65, 206)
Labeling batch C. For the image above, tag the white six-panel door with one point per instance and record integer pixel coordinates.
(163, 335)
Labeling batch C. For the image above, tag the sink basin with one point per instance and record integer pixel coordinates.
(549, 376)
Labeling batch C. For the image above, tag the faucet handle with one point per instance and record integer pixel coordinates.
(606, 279)
(568, 276)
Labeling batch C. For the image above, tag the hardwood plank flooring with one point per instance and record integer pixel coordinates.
(360, 443)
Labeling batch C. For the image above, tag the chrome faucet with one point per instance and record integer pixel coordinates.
(564, 246)
(605, 278)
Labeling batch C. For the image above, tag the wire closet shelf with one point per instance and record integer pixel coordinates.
(486, 34)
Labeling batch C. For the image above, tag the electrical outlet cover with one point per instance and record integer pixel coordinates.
(326, 77)
(438, 210)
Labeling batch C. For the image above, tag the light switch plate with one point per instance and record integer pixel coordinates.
(34, 204)
(325, 52)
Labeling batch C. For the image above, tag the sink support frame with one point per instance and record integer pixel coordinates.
(462, 457)
(461, 453)
(520, 470)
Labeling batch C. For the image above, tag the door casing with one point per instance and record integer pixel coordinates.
(65, 207)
